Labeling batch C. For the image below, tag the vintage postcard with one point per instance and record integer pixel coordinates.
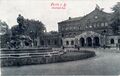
(59, 37)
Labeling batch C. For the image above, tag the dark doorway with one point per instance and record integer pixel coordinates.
(55, 42)
(82, 42)
(118, 40)
(61, 42)
(42, 42)
(48, 42)
(72, 42)
(112, 41)
(96, 41)
(89, 41)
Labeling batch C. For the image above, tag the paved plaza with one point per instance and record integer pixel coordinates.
(104, 63)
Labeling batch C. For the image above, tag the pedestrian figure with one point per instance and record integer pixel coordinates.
(119, 46)
(104, 46)
(75, 46)
(63, 47)
(78, 48)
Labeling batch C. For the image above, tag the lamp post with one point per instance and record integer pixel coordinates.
(104, 33)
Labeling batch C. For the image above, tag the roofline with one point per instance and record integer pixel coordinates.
(83, 16)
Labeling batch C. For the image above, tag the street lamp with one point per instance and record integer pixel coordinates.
(104, 33)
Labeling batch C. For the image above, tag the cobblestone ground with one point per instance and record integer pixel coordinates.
(104, 63)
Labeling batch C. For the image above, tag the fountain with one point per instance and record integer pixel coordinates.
(20, 51)
(19, 39)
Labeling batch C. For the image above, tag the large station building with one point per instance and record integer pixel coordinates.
(91, 30)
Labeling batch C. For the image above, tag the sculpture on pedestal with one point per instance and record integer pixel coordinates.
(19, 39)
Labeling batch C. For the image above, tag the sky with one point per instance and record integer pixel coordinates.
(49, 12)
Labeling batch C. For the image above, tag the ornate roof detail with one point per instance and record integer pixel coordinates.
(88, 34)
(97, 7)
(98, 12)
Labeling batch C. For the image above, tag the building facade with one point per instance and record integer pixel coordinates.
(49, 39)
(91, 30)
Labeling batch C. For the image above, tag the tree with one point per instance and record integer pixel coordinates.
(35, 28)
(28, 27)
(3, 27)
(4, 34)
(115, 20)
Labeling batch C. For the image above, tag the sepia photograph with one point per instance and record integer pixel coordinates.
(59, 37)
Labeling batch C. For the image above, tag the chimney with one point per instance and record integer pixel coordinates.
(69, 18)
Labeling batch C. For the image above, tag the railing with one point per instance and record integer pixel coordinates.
(30, 50)
(20, 59)
(19, 55)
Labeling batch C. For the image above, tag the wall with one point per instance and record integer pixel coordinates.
(115, 38)
(69, 40)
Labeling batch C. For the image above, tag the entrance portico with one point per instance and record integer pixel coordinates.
(89, 39)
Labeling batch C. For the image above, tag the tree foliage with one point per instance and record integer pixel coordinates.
(115, 20)
(4, 34)
(34, 28)
(3, 27)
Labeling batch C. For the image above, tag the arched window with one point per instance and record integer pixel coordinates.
(94, 25)
(98, 24)
(48, 42)
(89, 41)
(62, 35)
(96, 41)
(66, 28)
(118, 40)
(72, 42)
(42, 42)
(102, 24)
(112, 41)
(106, 24)
(67, 42)
(70, 34)
(82, 42)
(74, 34)
(79, 27)
(70, 28)
(61, 42)
(74, 27)
(90, 26)
(55, 42)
